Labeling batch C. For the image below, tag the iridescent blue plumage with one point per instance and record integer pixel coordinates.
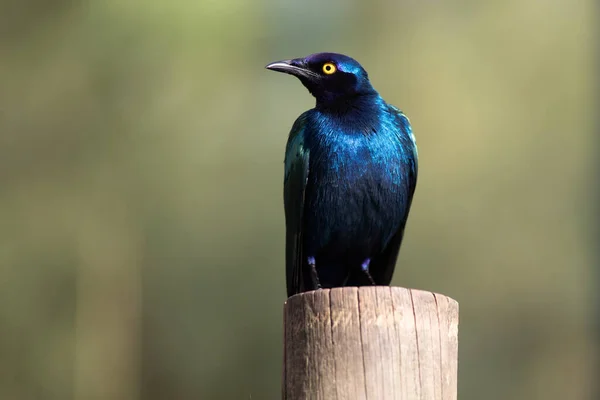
(350, 175)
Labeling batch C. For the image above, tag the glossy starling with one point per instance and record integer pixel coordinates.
(350, 174)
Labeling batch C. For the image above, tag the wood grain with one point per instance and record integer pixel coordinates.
(370, 343)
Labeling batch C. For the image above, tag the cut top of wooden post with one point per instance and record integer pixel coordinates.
(371, 343)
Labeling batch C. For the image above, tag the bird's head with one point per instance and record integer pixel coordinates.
(330, 77)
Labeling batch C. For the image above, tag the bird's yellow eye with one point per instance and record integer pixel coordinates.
(329, 68)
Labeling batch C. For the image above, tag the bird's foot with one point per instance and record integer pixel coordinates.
(365, 267)
(313, 273)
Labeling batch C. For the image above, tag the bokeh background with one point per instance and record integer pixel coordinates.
(141, 162)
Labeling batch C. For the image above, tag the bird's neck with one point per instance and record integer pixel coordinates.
(346, 106)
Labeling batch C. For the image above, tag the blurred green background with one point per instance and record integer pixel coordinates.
(141, 162)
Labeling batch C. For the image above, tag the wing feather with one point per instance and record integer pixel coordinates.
(295, 179)
(384, 264)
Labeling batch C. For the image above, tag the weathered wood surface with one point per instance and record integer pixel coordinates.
(370, 343)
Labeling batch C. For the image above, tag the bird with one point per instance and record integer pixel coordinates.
(350, 173)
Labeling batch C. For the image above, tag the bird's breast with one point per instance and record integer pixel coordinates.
(357, 189)
(350, 159)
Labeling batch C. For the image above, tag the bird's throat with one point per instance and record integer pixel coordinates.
(337, 104)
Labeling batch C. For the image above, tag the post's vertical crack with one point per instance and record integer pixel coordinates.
(396, 332)
(437, 311)
(412, 301)
(332, 341)
(362, 348)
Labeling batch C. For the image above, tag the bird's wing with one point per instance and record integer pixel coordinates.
(384, 264)
(406, 129)
(295, 178)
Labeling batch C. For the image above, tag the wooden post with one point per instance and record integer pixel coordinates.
(370, 343)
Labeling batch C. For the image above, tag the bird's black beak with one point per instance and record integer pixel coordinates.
(296, 67)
